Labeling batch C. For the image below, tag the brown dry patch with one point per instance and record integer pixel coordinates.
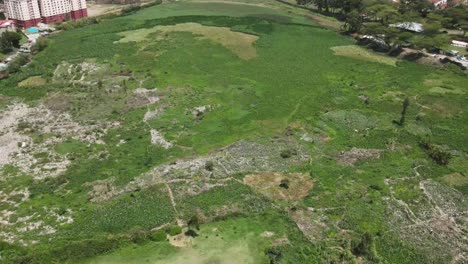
(32, 81)
(268, 183)
(58, 103)
(180, 240)
(445, 109)
(310, 227)
(325, 22)
(239, 43)
(455, 180)
(354, 155)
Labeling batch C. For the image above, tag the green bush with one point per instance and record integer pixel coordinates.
(174, 230)
(159, 235)
(41, 44)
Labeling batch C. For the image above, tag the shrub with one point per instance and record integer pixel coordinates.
(284, 184)
(41, 44)
(287, 153)
(159, 235)
(191, 233)
(274, 254)
(174, 230)
(437, 154)
(16, 64)
(209, 165)
(139, 237)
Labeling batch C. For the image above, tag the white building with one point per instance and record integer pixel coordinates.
(25, 12)
(28, 13)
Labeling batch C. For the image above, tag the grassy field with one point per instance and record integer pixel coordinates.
(271, 138)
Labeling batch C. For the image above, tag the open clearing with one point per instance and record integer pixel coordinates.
(360, 53)
(32, 82)
(265, 137)
(277, 186)
(239, 43)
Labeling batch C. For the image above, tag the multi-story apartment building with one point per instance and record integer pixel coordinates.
(29, 13)
(24, 12)
(60, 10)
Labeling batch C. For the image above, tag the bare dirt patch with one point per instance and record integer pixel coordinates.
(438, 222)
(158, 139)
(19, 122)
(281, 186)
(180, 240)
(359, 53)
(355, 155)
(239, 43)
(33, 81)
(240, 157)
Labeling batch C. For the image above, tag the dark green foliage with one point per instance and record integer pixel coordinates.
(437, 154)
(174, 230)
(158, 236)
(284, 184)
(41, 44)
(287, 153)
(17, 63)
(401, 122)
(9, 40)
(209, 165)
(194, 222)
(274, 254)
(146, 209)
(191, 233)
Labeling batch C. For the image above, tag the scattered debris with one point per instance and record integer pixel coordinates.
(354, 155)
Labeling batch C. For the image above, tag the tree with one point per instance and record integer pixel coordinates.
(5, 45)
(12, 37)
(382, 13)
(415, 6)
(403, 112)
(41, 43)
(353, 22)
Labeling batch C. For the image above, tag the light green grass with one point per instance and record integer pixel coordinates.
(295, 85)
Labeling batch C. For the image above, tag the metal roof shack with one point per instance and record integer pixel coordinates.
(410, 26)
(7, 25)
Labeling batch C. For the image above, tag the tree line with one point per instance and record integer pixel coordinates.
(375, 17)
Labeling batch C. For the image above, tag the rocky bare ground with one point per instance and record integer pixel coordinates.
(19, 122)
(437, 220)
(240, 157)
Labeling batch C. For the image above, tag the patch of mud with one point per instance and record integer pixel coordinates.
(278, 186)
(355, 155)
(240, 157)
(239, 43)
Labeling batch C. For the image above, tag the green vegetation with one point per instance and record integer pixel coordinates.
(377, 18)
(123, 135)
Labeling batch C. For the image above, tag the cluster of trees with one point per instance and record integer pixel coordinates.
(9, 40)
(374, 17)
